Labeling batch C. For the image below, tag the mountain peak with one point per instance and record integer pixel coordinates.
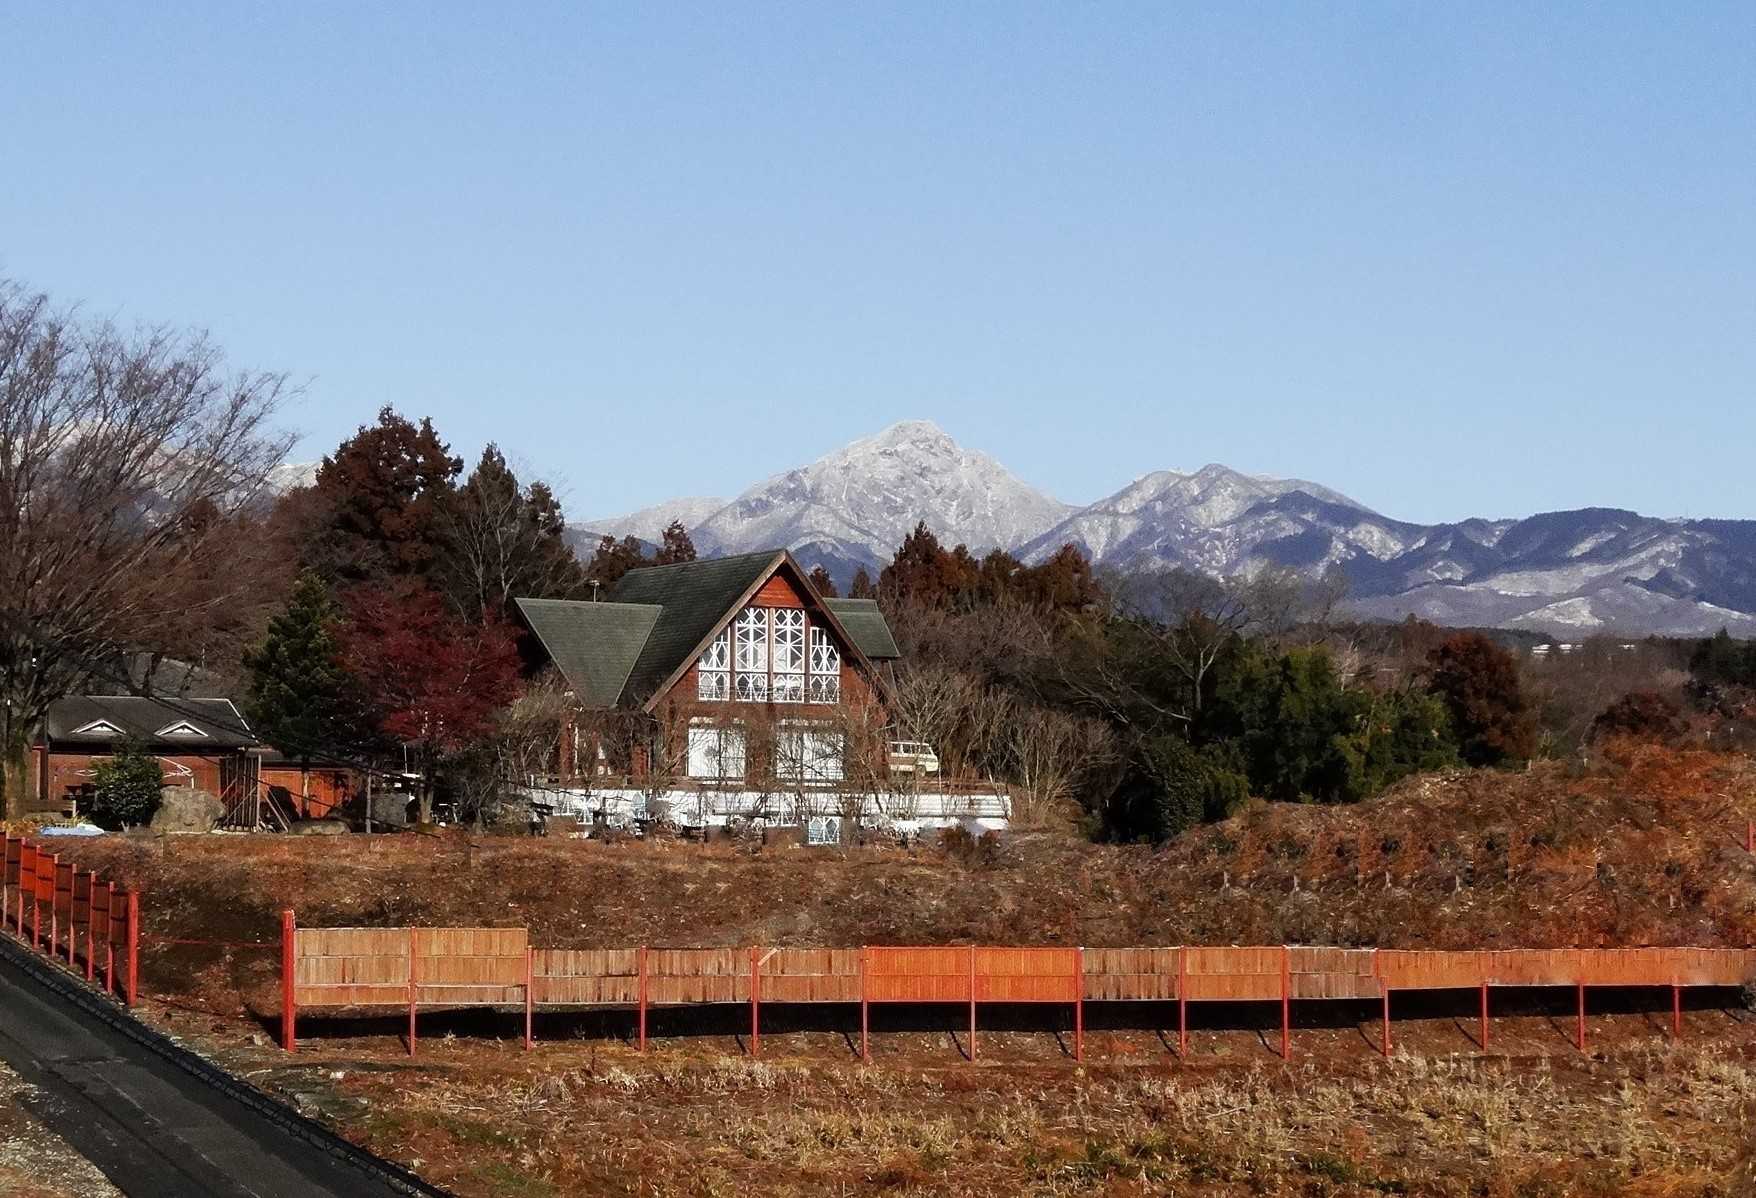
(923, 433)
(1594, 568)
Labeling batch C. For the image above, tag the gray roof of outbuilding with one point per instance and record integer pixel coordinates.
(594, 645)
(220, 724)
(696, 596)
(866, 625)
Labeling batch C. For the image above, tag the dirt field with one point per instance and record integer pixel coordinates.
(1644, 850)
(1638, 1114)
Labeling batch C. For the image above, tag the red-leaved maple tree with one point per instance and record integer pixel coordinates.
(433, 681)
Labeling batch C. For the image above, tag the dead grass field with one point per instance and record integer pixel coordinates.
(1643, 849)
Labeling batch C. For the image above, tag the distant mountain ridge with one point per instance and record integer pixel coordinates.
(1566, 573)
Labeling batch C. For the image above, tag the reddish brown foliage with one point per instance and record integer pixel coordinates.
(430, 677)
(1479, 685)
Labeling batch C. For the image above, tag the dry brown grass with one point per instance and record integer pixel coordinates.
(1641, 849)
(1649, 1119)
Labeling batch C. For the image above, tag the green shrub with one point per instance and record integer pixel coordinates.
(130, 786)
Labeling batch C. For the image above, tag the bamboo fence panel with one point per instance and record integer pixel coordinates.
(1131, 974)
(809, 974)
(586, 977)
(351, 967)
(1028, 975)
(918, 975)
(1332, 973)
(470, 966)
(687, 976)
(1234, 974)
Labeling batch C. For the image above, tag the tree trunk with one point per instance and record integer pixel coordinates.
(15, 777)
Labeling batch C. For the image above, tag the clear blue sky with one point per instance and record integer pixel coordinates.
(1452, 259)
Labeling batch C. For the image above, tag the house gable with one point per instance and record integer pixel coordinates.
(782, 586)
(640, 644)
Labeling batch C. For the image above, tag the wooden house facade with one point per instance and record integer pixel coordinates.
(729, 673)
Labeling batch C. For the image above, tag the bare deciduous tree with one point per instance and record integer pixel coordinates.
(502, 541)
(125, 461)
(1046, 751)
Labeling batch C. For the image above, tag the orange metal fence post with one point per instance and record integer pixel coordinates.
(1581, 1016)
(529, 1001)
(1676, 1010)
(755, 1007)
(1286, 1004)
(1183, 1002)
(36, 899)
(133, 980)
(642, 998)
(1384, 993)
(288, 1007)
(91, 926)
(72, 914)
(110, 940)
(414, 935)
(54, 907)
(1484, 1017)
(972, 1004)
(865, 1005)
(1079, 1004)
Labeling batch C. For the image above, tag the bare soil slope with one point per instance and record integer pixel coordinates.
(1643, 849)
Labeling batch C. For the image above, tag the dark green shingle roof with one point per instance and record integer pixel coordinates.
(87, 719)
(622, 650)
(695, 596)
(594, 645)
(866, 625)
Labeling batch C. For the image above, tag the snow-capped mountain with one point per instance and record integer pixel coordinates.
(853, 507)
(289, 475)
(649, 523)
(1569, 573)
(1214, 520)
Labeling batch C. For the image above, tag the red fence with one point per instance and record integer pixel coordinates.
(72, 915)
(366, 967)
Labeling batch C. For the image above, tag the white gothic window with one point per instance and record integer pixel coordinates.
(821, 751)
(751, 688)
(825, 668)
(789, 655)
(713, 674)
(789, 752)
(752, 641)
(714, 751)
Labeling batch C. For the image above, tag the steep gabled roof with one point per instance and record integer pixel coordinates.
(594, 645)
(101, 720)
(696, 596)
(628, 649)
(866, 627)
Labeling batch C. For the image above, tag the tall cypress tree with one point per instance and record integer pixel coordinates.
(301, 699)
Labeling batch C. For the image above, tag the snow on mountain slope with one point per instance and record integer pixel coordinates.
(1222, 522)
(649, 523)
(1570, 571)
(858, 503)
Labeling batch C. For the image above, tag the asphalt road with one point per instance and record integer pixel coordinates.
(157, 1121)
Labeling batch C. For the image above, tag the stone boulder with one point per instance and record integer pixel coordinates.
(319, 827)
(185, 809)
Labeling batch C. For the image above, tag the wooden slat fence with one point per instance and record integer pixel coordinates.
(71, 915)
(367, 967)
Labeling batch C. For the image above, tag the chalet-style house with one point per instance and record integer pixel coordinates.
(201, 743)
(728, 689)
